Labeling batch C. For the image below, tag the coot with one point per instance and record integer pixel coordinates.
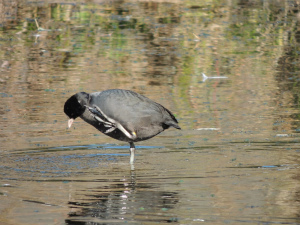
(121, 114)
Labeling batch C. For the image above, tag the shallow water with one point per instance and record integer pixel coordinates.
(229, 183)
(236, 159)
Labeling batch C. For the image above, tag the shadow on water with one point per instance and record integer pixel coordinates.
(107, 191)
(57, 162)
(78, 147)
(124, 201)
(93, 184)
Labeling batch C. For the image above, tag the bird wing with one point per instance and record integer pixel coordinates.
(127, 110)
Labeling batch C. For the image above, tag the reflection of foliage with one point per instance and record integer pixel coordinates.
(287, 76)
(82, 26)
(224, 31)
(289, 84)
(247, 31)
(243, 40)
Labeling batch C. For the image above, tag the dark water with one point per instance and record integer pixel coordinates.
(236, 159)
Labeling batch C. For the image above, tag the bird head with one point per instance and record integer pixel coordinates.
(75, 106)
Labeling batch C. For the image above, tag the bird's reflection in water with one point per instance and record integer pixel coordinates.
(125, 200)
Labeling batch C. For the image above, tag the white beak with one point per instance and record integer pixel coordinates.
(70, 121)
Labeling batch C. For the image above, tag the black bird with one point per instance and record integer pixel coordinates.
(121, 114)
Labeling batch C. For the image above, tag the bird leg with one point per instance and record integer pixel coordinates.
(132, 149)
(110, 122)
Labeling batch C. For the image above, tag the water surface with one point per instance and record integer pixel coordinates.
(236, 159)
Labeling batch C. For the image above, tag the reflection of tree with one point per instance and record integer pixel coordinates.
(288, 80)
(123, 201)
(287, 115)
(288, 94)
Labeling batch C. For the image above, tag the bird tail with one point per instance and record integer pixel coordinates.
(173, 124)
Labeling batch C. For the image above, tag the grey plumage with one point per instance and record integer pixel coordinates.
(121, 114)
